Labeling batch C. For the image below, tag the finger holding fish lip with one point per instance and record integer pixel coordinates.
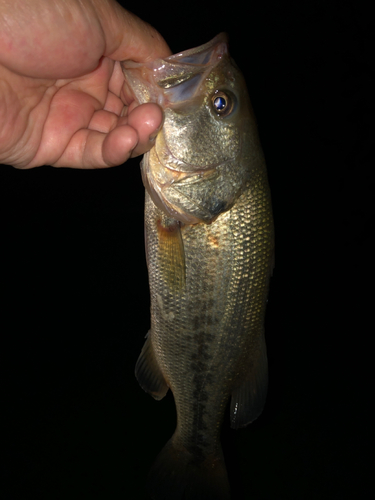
(143, 122)
(147, 120)
(126, 94)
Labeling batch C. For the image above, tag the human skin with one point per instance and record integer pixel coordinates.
(63, 99)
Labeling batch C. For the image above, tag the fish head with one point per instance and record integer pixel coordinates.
(199, 164)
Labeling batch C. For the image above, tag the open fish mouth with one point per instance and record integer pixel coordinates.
(177, 78)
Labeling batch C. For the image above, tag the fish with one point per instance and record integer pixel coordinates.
(209, 240)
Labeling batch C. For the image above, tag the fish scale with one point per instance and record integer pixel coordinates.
(209, 245)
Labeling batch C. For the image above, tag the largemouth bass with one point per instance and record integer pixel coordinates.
(209, 245)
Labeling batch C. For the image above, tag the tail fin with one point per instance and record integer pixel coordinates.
(177, 475)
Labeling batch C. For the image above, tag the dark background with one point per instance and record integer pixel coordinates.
(75, 305)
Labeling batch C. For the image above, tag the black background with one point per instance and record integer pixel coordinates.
(75, 305)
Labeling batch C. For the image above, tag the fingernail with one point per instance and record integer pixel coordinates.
(154, 135)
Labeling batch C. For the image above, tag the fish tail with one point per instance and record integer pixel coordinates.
(178, 475)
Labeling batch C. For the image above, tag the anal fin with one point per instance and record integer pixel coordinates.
(148, 373)
(249, 398)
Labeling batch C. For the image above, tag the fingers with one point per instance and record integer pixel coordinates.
(147, 120)
(111, 140)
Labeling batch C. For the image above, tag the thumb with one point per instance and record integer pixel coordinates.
(128, 37)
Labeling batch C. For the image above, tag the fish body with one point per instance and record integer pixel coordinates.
(209, 246)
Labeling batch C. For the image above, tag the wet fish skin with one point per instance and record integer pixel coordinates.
(209, 245)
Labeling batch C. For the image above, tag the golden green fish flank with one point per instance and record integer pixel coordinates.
(209, 244)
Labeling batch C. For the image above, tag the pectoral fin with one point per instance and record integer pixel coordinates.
(148, 373)
(248, 399)
(171, 251)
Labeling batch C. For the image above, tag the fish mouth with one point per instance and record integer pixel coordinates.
(174, 82)
(174, 79)
(201, 55)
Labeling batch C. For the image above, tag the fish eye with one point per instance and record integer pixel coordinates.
(222, 103)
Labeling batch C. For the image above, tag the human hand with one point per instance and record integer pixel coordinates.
(62, 99)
